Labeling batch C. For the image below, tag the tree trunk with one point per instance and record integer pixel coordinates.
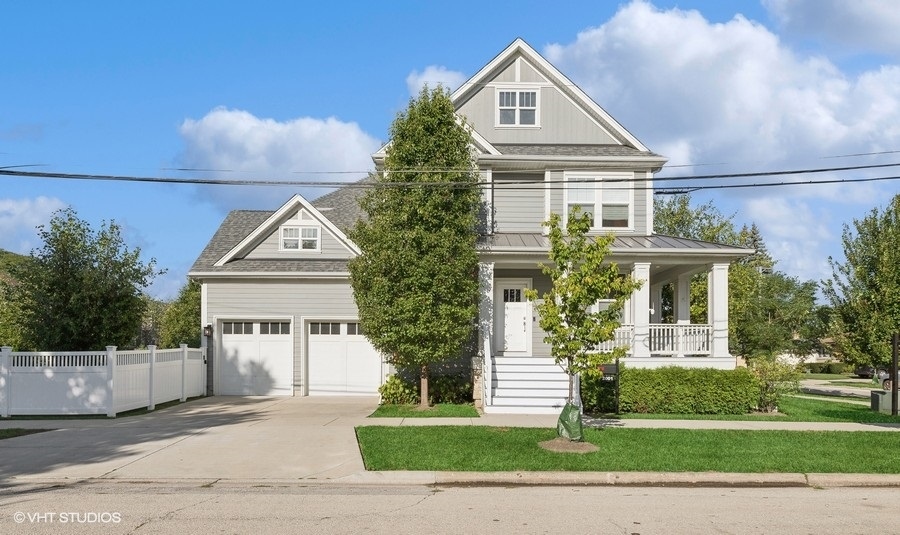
(423, 383)
(571, 382)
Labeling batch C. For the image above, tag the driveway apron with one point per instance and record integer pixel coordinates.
(212, 438)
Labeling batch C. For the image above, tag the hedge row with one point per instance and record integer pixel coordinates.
(674, 390)
(826, 367)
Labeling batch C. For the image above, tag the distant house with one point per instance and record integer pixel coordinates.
(275, 285)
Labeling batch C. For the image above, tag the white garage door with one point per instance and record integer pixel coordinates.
(257, 359)
(341, 360)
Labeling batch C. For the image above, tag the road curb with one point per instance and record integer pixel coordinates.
(633, 479)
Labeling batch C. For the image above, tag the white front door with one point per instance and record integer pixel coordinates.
(512, 317)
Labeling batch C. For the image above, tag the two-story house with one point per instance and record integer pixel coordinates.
(275, 287)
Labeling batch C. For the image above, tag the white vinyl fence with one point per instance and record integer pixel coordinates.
(98, 382)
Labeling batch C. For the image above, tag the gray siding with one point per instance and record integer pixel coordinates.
(556, 192)
(331, 248)
(640, 202)
(311, 299)
(562, 122)
(518, 208)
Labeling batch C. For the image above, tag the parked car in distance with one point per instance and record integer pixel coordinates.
(866, 371)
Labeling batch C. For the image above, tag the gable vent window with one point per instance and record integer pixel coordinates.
(300, 238)
(517, 108)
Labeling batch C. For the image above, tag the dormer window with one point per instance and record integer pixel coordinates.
(300, 238)
(609, 203)
(517, 107)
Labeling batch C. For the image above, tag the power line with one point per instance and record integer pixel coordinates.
(10, 171)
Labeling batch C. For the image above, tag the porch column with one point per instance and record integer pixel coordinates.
(717, 279)
(486, 327)
(641, 310)
(682, 301)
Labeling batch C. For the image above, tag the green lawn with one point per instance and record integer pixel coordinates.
(828, 376)
(441, 410)
(792, 409)
(18, 432)
(476, 448)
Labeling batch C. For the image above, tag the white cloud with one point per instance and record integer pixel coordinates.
(19, 219)
(862, 24)
(432, 76)
(703, 93)
(241, 146)
(796, 234)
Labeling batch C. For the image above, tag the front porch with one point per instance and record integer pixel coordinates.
(520, 376)
(537, 385)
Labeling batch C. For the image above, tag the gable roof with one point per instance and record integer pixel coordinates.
(520, 48)
(271, 223)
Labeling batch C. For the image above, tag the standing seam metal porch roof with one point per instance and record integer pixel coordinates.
(240, 223)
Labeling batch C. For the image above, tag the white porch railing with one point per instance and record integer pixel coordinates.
(98, 382)
(680, 340)
(666, 339)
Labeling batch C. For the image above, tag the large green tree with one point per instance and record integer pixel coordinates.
(82, 290)
(769, 311)
(864, 289)
(571, 313)
(181, 321)
(415, 283)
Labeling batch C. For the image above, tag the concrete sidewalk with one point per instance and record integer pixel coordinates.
(312, 441)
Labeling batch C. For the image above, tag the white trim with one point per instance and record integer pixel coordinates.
(304, 322)
(276, 219)
(219, 352)
(599, 187)
(517, 89)
(557, 78)
(270, 275)
(500, 284)
(300, 225)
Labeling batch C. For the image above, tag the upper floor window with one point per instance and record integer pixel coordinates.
(517, 107)
(609, 204)
(300, 238)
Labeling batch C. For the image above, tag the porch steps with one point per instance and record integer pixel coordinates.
(527, 385)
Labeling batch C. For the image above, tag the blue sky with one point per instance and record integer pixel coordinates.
(282, 90)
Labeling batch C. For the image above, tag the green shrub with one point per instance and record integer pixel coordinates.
(674, 390)
(404, 390)
(456, 389)
(775, 378)
(396, 391)
(826, 367)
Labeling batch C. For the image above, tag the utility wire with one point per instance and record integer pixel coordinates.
(7, 171)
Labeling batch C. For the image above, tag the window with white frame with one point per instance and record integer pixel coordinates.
(517, 107)
(609, 203)
(299, 238)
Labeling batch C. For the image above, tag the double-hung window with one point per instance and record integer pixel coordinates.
(517, 107)
(300, 238)
(609, 203)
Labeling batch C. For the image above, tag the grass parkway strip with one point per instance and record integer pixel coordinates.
(476, 448)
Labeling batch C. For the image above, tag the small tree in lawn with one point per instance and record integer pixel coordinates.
(573, 324)
(415, 283)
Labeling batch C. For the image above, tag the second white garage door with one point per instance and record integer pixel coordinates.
(341, 360)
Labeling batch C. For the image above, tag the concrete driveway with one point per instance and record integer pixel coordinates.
(212, 438)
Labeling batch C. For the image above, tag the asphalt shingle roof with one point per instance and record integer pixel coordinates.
(570, 150)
